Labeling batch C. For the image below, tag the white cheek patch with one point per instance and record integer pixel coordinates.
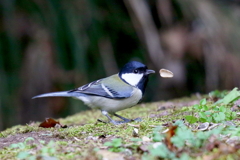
(131, 78)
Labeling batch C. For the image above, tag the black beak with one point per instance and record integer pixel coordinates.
(149, 71)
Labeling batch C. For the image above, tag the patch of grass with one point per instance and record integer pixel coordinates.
(85, 136)
(115, 145)
(215, 112)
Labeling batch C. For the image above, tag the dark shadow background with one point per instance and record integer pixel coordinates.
(56, 45)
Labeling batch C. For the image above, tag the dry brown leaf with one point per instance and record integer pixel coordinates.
(169, 134)
(49, 123)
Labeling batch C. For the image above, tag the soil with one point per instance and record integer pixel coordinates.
(48, 135)
(37, 136)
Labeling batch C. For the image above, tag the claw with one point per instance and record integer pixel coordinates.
(99, 120)
(125, 120)
(137, 119)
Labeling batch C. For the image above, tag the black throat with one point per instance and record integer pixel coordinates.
(143, 83)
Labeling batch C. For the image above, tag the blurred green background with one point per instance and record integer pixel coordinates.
(56, 45)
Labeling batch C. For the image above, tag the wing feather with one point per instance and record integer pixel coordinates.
(109, 90)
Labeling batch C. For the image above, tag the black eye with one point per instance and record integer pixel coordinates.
(135, 71)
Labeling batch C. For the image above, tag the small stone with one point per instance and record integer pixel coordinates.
(135, 132)
(203, 126)
(233, 140)
(229, 123)
(212, 125)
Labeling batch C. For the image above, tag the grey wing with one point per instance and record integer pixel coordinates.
(98, 89)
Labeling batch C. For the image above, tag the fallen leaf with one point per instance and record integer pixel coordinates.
(49, 122)
(169, 134)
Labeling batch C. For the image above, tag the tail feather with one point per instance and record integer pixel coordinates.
(59, 94)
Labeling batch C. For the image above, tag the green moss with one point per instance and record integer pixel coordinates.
(84, 132)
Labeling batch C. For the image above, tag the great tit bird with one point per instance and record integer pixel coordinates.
(114, 93)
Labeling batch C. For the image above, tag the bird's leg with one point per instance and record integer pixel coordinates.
(125, 120)
(105, 113)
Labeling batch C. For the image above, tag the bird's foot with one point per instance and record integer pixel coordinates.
(99, 120)
(124, 120)
(114, 122)
(137, 119)
(127, 120)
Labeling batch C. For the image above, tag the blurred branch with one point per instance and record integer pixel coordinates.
(146, 29)
(165, 11)
(106, 52)
(211, 58)
(36, 74)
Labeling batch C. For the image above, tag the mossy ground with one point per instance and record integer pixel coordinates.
(85, 134)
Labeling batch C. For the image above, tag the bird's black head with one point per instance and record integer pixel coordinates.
(135, 74)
